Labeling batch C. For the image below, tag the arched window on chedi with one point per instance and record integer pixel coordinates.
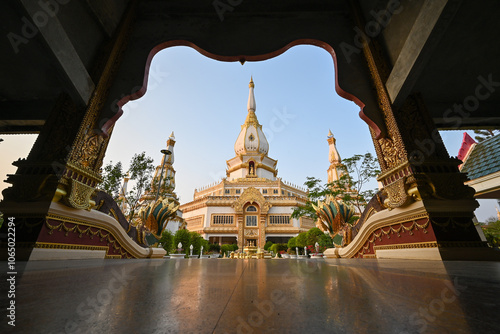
(251, 168)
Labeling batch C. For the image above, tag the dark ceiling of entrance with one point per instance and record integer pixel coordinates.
(448, 51)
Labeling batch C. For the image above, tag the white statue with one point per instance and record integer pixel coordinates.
(305, 250)
(191, 250)
(201, 252)
(316, 245)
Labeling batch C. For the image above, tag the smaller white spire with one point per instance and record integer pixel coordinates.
(172, 136)
(334, 155)
(251, 98)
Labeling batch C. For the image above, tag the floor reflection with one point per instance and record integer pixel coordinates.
(254, 296)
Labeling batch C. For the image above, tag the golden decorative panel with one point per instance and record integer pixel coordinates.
(252, 195)
(251, 232)
(195, 222)
(79, 195)
(396, 194)
(284, 229)
(306, 222)
(232, 230)
(50, 245)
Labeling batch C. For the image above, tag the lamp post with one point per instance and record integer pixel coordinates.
(166, 152)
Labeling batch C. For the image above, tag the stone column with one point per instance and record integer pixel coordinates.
(415, 165)
(262, 230)
(35, 182)
(65, 161)
(241, 230)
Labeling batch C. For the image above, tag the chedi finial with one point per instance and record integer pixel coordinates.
(251, 98)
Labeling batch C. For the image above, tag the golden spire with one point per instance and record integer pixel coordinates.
(251, 119)
(330, 138)
(251, 106)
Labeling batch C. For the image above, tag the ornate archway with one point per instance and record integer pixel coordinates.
(251, 197)
(64, 165)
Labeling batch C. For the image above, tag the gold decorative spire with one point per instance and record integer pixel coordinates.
(334, 155)
(251, 119)
(251, 137)
(330, 138)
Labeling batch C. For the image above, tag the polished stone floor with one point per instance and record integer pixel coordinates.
(256, 296)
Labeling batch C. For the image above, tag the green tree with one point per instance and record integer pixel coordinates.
(492, 233)
(316, 192)
(357, 172)
(483, 134)
(141, 171)
(112, 179)
(268, 245)
(167, 241)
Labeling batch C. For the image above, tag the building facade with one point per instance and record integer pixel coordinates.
(251, 205)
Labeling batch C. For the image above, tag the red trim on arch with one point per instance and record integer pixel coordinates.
(240, 58)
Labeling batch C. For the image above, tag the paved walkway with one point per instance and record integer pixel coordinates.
(257, 296)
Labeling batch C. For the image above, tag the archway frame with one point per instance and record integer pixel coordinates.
(397, 133)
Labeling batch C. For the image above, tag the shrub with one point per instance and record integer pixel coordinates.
(282, 247)
(325, 241)
(197, 241)
(492, 233)
(314, 235)
(214, 248)
(268, 245)
(292, 243)
(205, 245)
(184, 238)
(278, 248)
(301, 240)
(167, 241)
(225, 249)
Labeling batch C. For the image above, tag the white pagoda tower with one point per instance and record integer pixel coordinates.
(251, 205)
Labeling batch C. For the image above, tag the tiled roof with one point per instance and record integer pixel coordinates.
(484, 159)
(467, 143)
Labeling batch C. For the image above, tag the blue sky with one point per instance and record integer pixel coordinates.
(204, 102)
